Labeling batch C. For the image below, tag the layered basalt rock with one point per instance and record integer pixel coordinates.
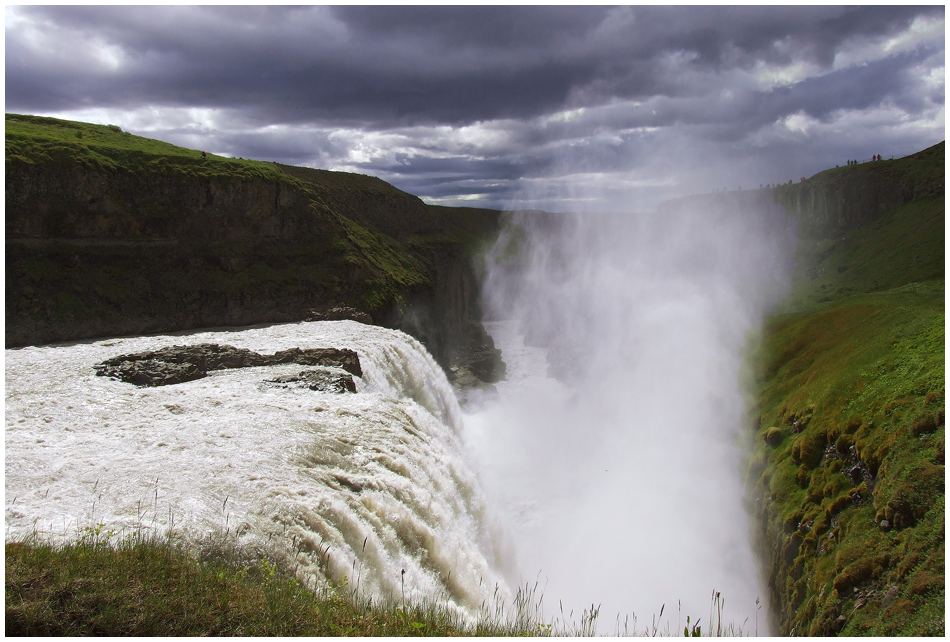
(128, 243)
(319, 380)
(845, 197)
(178, 364)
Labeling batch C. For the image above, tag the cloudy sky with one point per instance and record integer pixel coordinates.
(557, 107)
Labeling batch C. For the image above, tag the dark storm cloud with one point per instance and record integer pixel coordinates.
(484, 93)
(282, 62)
(481, 27)
(407, 64)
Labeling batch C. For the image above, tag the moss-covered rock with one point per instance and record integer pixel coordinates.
(773, 436)
(856, 379)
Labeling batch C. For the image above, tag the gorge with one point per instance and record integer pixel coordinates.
(615, 459)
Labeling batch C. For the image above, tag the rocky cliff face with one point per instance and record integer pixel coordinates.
(94, 250)
(847, 196)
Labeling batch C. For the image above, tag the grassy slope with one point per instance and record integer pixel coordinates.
(384, 267)
(37, 139)
(850, 406)
(144, 587)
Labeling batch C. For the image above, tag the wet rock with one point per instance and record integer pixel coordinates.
(204, 357)
(339, 358)
(839, 623)
(341, 314)
(150, 372)
(178, 364)
(479, 364)
(856, 474)
(318, 380)
(469, 389)
(889, 597)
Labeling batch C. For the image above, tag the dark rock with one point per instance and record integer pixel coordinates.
(178, 364)
(204, 356)
(839, 623)
(150, 372)
(856, 474)
(319, 380)
(341, 314)
(469, 389)
(889, 597)
(487, 365)
(480, 364)
(338, 358)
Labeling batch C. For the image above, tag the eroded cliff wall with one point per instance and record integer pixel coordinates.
(847, 196)
(109, 234)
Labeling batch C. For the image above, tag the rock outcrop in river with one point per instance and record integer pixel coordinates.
(178, 364)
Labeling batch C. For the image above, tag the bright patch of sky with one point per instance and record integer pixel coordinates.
(921, 29)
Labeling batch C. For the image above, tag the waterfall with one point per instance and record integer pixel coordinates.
(610, 455)
(613, 451)
(364, 485)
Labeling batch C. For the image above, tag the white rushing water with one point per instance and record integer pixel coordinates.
(610, 454)
(613, 449)
(308, 475)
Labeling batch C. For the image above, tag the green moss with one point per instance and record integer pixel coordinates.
(773, 437)
(51, 141)
(853, 365)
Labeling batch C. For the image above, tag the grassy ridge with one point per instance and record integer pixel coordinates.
(41, 140)
(154, 588)
(111, 233)
(141, 585)
(846, 477)
(386, 265)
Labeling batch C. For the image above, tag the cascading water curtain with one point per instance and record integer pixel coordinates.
(618, 470)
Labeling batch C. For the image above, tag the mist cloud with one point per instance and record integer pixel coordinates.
(620, 481)
(498, 95)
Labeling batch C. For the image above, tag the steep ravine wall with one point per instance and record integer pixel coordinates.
(845, 479)
(843, 197)
(95, 251)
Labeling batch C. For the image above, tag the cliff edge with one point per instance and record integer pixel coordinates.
(845, 472)
(113, 234)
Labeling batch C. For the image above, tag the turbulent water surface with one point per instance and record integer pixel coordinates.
(610, 454)
(362, 485)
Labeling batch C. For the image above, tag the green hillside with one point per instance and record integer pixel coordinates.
(846, 478)
(108, 233)
(41, 140)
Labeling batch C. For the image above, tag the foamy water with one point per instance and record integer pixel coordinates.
(371, 483)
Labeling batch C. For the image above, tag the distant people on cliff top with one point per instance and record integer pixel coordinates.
(874, 157)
